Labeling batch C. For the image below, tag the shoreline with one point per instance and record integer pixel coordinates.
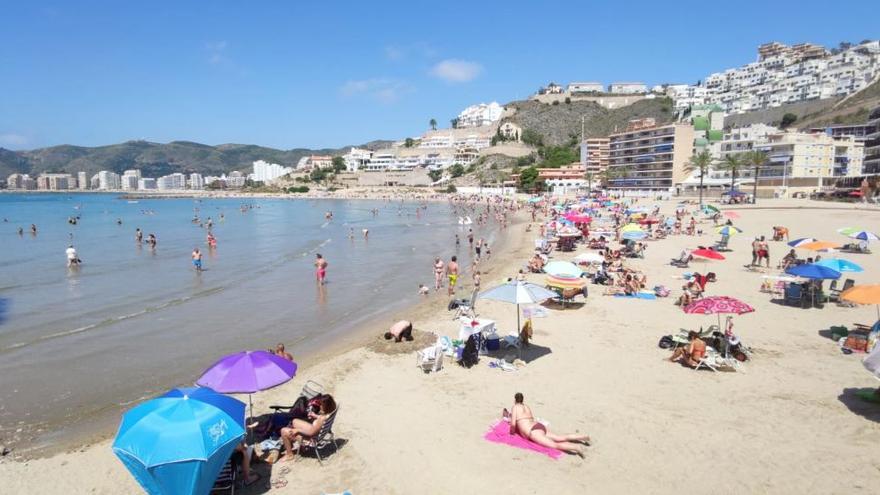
(359, 336)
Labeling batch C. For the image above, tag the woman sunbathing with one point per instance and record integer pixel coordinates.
(299, 429)
(523, 422)
(693, 353)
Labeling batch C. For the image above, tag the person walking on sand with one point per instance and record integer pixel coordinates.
(197, 259)
(452, 273)
(764, 252)
(438, 273)
(756, 246)
(320, 268)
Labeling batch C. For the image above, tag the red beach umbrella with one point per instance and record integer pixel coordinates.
(708, 254)
(716, 305)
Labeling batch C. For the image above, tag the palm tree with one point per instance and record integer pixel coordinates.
(433, 124)
(733, 163)
(756, 159)
(589, 176)
(611, 173)
(701, 162)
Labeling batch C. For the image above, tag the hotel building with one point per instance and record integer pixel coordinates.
(594, 155)
(803, 160)
(871, 164)
(650, 157)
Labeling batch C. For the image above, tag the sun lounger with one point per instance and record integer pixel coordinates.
(466, 307)
(682, 261)
(716, 362)
(227, 479)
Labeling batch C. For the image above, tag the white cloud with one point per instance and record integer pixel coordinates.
(216, 52)
(12, 140)
(456, 71)
(381, 89)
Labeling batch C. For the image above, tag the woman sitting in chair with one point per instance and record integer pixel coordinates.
(299, 429)
(692, 354)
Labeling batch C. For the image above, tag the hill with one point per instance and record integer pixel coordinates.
(558, 124)
(154, 159)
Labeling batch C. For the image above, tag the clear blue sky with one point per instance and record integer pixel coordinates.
(313, 74)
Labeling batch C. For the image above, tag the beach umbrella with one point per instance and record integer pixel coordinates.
(803, 240)
(872, 361)
(728, 230)
(708, 254)
(848, 230)
(863, 235)
(576, 218)
(648, 221)
(731, 214)
(634, 236)
(670, 222)
(564, 269)
(840, 265)
(863, 294)
(631, 227)
(247, 372)
(179, 442)
(518, 293)
(717, 305)
(813, 271)
(589, 257)
(566, 282)
(819, 246)
(711, 209)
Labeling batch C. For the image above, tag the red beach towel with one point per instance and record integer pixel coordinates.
(500, 433)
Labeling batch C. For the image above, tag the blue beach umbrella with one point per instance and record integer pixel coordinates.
(802, 240)
(863, 235)
(634, 235)
(840, 265)
(179, 442)
(814, 271)
(728, 230)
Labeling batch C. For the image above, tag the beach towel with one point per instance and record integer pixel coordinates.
(640, 295)
(500, 433)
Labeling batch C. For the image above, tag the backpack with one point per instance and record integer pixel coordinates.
(470, 355)
(666, 342)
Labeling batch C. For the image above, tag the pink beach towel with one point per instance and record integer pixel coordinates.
(500, 433)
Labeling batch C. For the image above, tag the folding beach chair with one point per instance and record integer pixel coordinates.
(430, 359)
(682, 261)
(466, 307)
(226, 480)
(324, 438)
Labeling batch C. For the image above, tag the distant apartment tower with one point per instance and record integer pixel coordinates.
(107, 181)
(235, 179)
(82, 181)
(627, 88)
(267, 172)
(871, 165)
(53, 182)
(480, 115)
(594, 155)
(16, 181)
(171, 182)
(196, 181)
(650, 158)
(147, 183)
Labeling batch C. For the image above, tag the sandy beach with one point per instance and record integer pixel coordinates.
(788, 422)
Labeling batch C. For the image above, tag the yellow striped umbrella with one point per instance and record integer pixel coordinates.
(566, 283)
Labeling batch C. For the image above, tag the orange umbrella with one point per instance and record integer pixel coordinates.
(863, 294)
(820, 246)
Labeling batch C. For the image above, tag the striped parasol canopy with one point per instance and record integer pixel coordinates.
(800, 242)
(820, 246)
(728, 230)
(565, 282)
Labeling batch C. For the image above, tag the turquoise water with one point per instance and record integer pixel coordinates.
(132, 321)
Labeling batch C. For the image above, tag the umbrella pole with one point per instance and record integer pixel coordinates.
(250, 431)
(517, 320)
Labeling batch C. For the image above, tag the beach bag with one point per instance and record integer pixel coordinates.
(661, 291)
(666, 342)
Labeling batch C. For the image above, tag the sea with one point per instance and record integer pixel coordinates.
(79, 345)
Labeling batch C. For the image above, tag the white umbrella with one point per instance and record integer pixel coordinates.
(589, 257)
(518, 293)
(872, 362)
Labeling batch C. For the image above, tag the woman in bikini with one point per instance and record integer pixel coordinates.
(523, 422)
(439, 268)
(692, 354)
(299, 429)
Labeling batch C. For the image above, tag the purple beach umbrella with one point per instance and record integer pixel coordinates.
(247, 372)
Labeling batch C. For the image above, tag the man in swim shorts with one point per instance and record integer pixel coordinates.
(452, 273)
(320, 268)
(197, 259)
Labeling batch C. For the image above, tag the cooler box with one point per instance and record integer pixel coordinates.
(493, 343)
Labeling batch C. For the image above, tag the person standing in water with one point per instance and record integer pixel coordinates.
(72, 258)
(33, 229)
(452, 273)
(138, 235)
(438, 273)
(197, 259)
(151, 241)
(320, 268)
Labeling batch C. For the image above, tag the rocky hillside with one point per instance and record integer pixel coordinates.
(558, 124)
(154, 159)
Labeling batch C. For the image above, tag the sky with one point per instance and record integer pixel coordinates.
(294, 73)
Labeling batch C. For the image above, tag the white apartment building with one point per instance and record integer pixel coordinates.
(129, 182)
(196, 181)
(314, 161)
(16, 181)
(356, 159)
(171, 182)
(586, 87)
(147, 183)
(786, 74)
(82, 182)
(267, 172)
(457, 138)
(480, 115)
(234, 179)
(627, 88)
(107, 181)
(54, 182)
(800, 160)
